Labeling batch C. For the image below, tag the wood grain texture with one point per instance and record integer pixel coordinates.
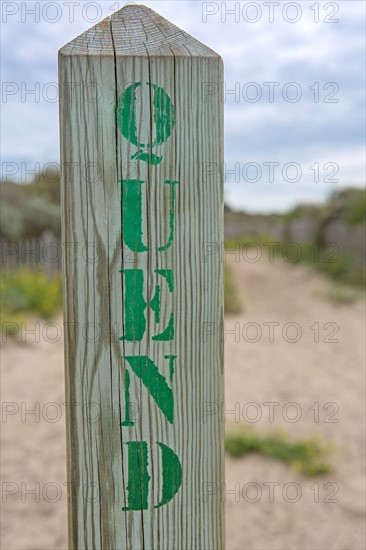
(137, 45)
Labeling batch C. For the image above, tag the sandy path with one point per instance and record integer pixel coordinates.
(33, 446)
(305, 372)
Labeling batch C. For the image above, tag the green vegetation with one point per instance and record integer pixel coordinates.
(28, 210)
(307, 456)
(348, 205)
(248, 245)
(29, 292)
(343, 295)
(344, 211)
(356, 213)
(339, 266)
(303, 211)
(231, 298)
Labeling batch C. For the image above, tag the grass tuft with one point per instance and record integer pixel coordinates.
(342, 295)
(307, 456)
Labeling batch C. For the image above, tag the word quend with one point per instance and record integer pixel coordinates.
(149, 316)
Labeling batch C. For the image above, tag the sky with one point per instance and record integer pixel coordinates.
(295, 117)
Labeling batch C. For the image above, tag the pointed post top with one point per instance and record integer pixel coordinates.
(139, 31)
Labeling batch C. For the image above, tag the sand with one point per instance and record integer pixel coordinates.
(304, 387)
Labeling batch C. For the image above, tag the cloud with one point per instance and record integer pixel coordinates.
(310, 54)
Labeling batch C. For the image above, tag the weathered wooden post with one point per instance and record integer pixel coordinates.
(141, 151)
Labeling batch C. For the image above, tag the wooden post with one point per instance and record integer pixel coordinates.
(142, 198)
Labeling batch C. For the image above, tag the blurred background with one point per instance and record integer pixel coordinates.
(294, 268)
